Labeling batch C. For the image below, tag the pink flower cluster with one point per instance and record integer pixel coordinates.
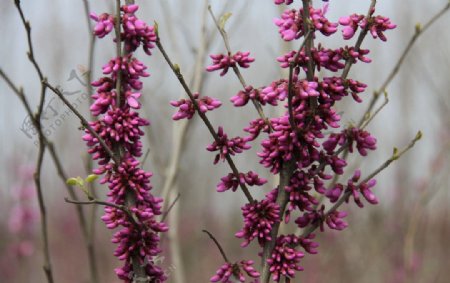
(291, 23)
(285, 259)
(187, 109)
(377, 25)
(228, 272)
(303, 143)
(135, 32)
(227, 146)
(224, 62)
(259, 218)
(120, 127)
(303, 135)
(231, 182)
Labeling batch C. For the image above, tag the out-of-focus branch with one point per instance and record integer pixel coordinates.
(41, 151)
(166, 213)
(222, 252)
(53, 154)
(89, 164)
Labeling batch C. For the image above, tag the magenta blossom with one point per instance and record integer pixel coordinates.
(224, 62)
(186, 108)
(228, 272)
(259, 218)
(227, 146)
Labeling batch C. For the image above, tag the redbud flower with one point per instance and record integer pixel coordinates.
(231, 182)
(351, 24)
(334, 220)
(363, 139)
(255, 128)
(308, 244)
(243, 96)
(227, 146)
(224, 62)
(187, 110)
(364, 188)
(287, 2)
(276, 91)
(379, 25)
(227, 272)
(105, 24)
(334, 193)
(259, 218)
(285, 259)
(136, 31)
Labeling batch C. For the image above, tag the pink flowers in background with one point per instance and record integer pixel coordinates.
(120, 126)
(24, 215)
(22, 222)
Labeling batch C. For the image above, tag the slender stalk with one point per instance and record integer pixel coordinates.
(93, 215)
(418, 32)
(83, 121)
(41, 138)
(288, 168)
(236, 70)
(347, 194)
(222, 251)
(178, 74)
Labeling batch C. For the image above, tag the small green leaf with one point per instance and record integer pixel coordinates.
(223, 20)
(419, 135)
(176, 67)
(418, 28)
(156, 26)
(72, 182)
(91, 178)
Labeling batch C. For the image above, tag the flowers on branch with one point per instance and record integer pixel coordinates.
(186, 107)
(227, 146)
(224, 62)
(299, 137)
(120, 127)
(231, 182)
(259, 218)
(285, 258)
(376, 25)
(228, 272)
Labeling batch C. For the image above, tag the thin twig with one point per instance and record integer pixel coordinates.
(104, 203)
(93, 216)
(418, 32)
(222, 252)
(57, 162)
(350, 61)
(165, 214)
(41, 151)
(177, 72)
(236, 70)
(287, 169)
(84, 122)
(347, 194)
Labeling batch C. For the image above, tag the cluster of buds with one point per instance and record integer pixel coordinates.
(301, 143)
(120, 127)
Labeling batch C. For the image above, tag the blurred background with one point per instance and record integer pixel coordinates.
(402, 239)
